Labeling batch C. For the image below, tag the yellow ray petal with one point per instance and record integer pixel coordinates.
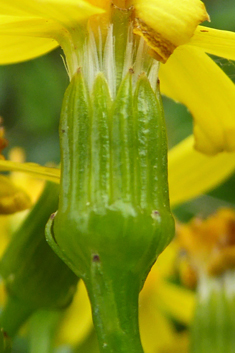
(166, 24)
(12, 8)
(28, 26)
(77, 321)
(193, 79)
(103, 4)
(214, 41)
(152, 321)
(14, 49)
(66, 12)
(192, 173)
(51, 174)
(176, 301)
(12, 198)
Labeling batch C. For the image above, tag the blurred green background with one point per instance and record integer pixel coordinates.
(30, 102)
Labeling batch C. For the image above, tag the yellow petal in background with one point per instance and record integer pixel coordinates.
(46, 173)
(214, 41)
(168, 24)
(12, 198)
(66, 12)
(176, 301)
(192, 78)
(77, 321)
(192, 173)
(29, 26)
(152, 321)
(14, 49)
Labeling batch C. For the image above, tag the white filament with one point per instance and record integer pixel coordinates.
(98, 55)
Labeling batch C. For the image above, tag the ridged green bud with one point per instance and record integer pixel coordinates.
(114, 217)
(34, 276)
(114, 194)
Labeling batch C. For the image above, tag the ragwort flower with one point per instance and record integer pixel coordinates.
(30, 28)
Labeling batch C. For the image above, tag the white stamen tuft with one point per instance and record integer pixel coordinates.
(98, 55)
(109, 66)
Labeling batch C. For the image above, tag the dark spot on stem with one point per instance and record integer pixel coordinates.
(96, 258)
(5, 334)
(155, 214)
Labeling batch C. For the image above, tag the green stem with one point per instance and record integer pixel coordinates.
(42, 330)
(114, 300)
(14, 314)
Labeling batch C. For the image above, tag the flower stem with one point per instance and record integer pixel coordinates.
(14, 314)
(114, 301)
(42, 329)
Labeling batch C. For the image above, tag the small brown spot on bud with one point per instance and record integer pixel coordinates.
(95, 258)
(52, 216)
(155, 214)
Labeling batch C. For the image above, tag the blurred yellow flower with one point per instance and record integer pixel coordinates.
(12, 198)
(210, 243)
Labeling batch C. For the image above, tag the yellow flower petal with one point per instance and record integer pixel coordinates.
(28, 26)
(12, 198)
(77, 321)
(151, 319)
(192, 173)
(14, 49)
(65, 12)
(214, 41)
(103, 4)
(166, 261)
(168, 24)
(176, 301)
(51, 174)
(193, 79)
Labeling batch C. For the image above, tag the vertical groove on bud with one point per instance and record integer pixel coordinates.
(76, 156)
(151, 161)
(100, 143)
(114, 216)
(114, 168)
(121, 138)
